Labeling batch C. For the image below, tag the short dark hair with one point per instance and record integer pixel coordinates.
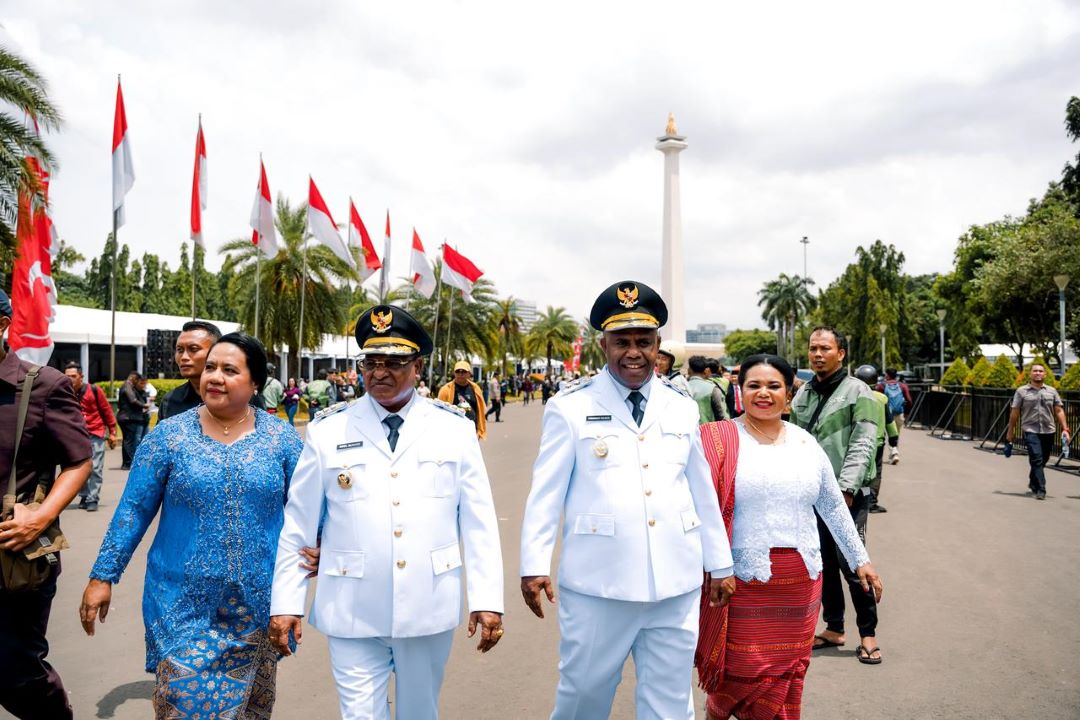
(322, 374)
(697, 363)
(714, 365)
(890, 373)
(207, 327)
(841, 341)
(254, 354)
(72, 365)
(774, 361)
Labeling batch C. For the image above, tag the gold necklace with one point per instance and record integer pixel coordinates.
(772, 438)
(224, 427)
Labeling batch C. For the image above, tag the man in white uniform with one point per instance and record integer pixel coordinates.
(398, 484)
(621, 459)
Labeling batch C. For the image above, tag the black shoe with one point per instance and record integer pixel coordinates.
(82, 503)
(1040, 496)
(91, 507)
(875, 508)
(125, 467)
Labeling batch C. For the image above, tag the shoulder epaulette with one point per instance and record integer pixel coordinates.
(665, 380)
(575, 385)
(443, 405)
(332, 410)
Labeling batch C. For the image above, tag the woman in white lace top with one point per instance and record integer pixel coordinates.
(771, 476)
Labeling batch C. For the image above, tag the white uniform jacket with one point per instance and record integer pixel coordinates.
(391, 563)
(641, 518)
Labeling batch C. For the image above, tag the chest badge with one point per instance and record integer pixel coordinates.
(344, 481)
(600, 449)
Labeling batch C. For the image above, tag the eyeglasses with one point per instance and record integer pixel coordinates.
(462, 372)
(392, 364)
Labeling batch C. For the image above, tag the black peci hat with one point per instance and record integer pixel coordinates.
(389, 330)
(628, 304)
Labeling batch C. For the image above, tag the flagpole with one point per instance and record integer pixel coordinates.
(449, 325)
(435, 332)
(258, 282)
(112, 307)
(384, 281)
(303, 292)
(193, 246)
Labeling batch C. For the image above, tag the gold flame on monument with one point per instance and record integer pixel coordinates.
(671, 130)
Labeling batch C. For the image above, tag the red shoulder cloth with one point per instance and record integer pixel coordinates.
(720, 441)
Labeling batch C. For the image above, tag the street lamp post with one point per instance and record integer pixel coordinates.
(805, 241)
(941, 335)
(884, 328)
(1061, 281)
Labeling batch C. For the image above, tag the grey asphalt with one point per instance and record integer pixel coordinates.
(980, 617)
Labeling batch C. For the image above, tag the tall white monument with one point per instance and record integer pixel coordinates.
(671, 263)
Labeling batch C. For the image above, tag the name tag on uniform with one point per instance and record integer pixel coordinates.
(346, 446)
(594, 418)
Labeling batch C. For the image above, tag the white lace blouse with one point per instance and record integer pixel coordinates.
(777, 489)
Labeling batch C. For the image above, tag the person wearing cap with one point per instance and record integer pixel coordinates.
(398, 487)
(462, 392)
(621, 460)
(54, 433)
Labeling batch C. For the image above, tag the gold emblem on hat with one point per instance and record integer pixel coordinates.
(344, 481)
(600, 449)
(381, 321)
(628, 296)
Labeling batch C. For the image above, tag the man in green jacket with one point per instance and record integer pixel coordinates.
(841, 413)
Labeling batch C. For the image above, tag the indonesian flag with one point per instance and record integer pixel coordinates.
(198, 189)
(459, 271)
(359, 239)
(123, 171)
(323, 226)
(33, 294)
(423, 276)
(384, 278)
(263, 234)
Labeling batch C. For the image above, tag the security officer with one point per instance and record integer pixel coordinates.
(54, 434)
(403, 485)
(621, 460)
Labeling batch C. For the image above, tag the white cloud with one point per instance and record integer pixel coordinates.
(524, 134)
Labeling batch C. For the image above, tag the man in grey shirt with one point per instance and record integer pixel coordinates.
(1035, 405)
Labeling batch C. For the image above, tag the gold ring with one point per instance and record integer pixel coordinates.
(499, 632)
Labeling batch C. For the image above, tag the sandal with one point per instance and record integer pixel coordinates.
(825, 643)
(865, 655)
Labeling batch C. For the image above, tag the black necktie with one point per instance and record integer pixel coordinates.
(636, 398)
(393, 422)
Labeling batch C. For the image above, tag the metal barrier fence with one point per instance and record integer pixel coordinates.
(982, 414)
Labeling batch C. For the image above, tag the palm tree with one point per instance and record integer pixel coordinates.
(592, 355)
(786, 300)
(23, 95)
(508, 328)
(553, 333)
(280, 280)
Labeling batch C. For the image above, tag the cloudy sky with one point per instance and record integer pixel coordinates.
(524, 134)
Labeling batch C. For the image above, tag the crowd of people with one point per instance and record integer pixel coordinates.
(703, 520)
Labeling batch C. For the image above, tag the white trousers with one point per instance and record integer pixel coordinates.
(597, 637)
(362, 668)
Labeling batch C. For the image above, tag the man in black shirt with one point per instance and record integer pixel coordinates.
(192, 346)
(464, 393)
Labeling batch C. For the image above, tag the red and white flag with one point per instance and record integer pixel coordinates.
(33, 294)
(384, 278)
(198, 189)
(323, 226)
(123, 171)
(423, 276)
(264, 234)
(359, 239)
(458, 271)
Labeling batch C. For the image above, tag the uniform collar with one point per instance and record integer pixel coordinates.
(624, 392)
(381, 413)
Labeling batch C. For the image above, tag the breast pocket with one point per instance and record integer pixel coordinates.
(675, 440)
(437, 471)
(599, 449)
(347, 483)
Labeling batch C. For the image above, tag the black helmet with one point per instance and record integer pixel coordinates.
(867, 373)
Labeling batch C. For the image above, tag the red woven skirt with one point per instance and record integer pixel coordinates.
(769, 638)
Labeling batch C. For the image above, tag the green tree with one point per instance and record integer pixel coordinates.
(71, 288)
(553, 334)
(592, 355)
(956, 374)
(1002, 373)
(1070, 176)
(979, 373)
(1071, 379)
(23, 93)
(508, 329)
(786, 300)
(740, 344)
(280, 281)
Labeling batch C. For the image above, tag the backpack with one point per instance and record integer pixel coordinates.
(895, 394)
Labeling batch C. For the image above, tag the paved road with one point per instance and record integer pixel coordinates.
(979, 621)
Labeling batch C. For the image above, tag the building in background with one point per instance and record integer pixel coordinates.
(526, 312)
(707, 333)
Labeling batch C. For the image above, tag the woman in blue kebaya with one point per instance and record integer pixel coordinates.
(218, 475)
